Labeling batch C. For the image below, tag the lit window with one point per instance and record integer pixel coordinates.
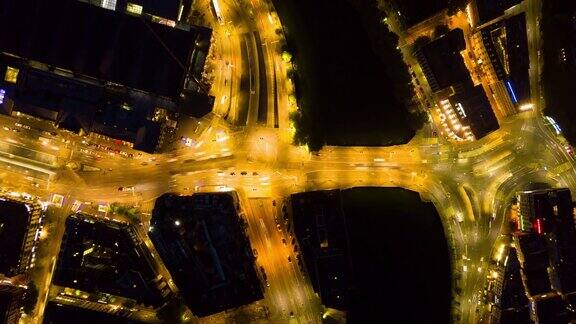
(109, 4)
(134, 8)
(163, 21)
(11, 75)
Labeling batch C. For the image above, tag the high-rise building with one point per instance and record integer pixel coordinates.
(107, 75)
(546, 239)
(20, 222)
(547, 211)
(459, 98)
(203, 243)
(10, 303)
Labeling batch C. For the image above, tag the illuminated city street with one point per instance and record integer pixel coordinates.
(242, 148)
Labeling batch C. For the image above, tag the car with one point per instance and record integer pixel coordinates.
(244, 173)
(124, 189)
(232, 173)
(264, 276)
(254, 173)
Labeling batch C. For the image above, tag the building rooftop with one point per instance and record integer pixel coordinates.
(99, 43)
(550, 309)
(56, 313)
(444, 67)
(479, 113)
(78, 104)
(10, 302)
(103, 256)
(320, 227)
(533, 250)
(446, 64)
(202, 241)
(491, 9)
(168, 9)
(513, 301)
(519, 63)
(537, 282)
(14, 222)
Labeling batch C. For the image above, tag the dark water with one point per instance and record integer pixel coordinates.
(346, 90)
(400, 258)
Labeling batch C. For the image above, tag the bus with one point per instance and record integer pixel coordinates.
(216, 10)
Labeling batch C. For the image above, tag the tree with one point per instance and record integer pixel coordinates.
(286, 57)
(30, 298)
(130, 212)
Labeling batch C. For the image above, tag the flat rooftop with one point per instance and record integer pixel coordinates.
(201, 240)
(490, 9)
(162, 8)
(320, 227)
(14, 218)
(99, 256)
(5, 302)
(56, 313)
(513, 300)
(100, 43)
(444, 59)
(519, 62)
